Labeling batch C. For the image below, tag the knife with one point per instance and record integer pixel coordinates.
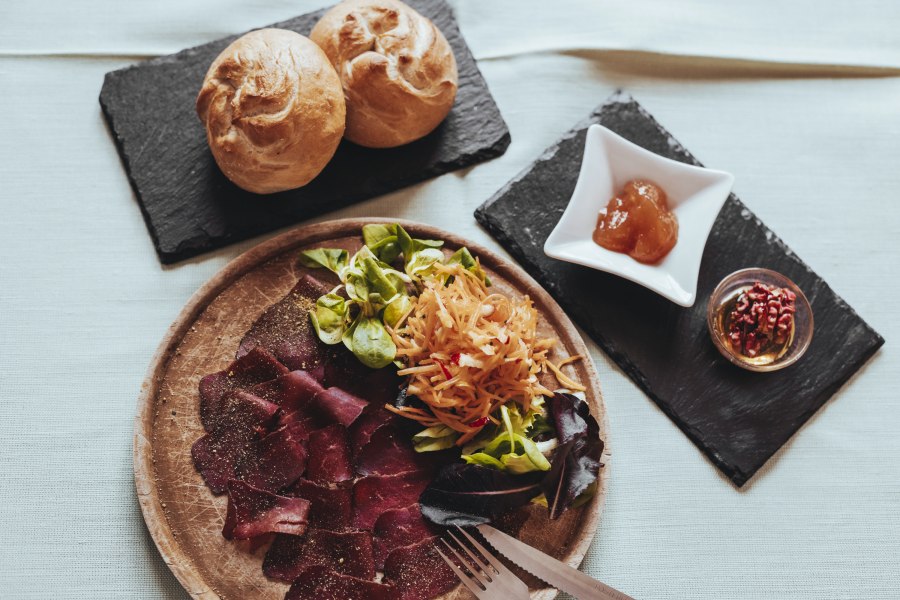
(556, 573)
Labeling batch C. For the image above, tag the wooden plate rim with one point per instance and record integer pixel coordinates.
(178, 561)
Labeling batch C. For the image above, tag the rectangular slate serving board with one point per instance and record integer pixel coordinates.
(739, 419)
(191, 208)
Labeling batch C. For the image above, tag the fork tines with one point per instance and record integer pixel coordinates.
(481, 572)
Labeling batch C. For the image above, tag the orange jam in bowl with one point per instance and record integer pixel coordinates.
(637, 222)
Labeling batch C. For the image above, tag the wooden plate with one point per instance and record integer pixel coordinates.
(185, 519)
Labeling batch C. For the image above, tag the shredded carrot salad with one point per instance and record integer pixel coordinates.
(469, 351)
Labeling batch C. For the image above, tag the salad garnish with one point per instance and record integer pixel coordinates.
(373, 294)
(471, 493)
(468, 352)
(476, 368)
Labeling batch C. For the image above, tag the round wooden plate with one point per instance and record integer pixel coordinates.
(183, 516)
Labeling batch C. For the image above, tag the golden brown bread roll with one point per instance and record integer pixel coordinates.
(274, 110)
(397, 69)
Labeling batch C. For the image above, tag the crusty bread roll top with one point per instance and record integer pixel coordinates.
(397, 69)
(274, 110)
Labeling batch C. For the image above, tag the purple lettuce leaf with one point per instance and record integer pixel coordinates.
(470, 494)
(576, 463)
(464, 494)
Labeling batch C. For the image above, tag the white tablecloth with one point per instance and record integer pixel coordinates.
(801, 101)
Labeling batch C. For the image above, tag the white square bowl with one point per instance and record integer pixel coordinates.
(695, 194)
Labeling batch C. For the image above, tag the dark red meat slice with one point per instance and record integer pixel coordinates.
(389, 451)
(349, 553)
(242, 411)
(363, 428)
(329, 455)
(253, 512)
(285, 330)
(290, 391)
(215, 458)
(242, 374)
(397, 528)
(332, 507)
(376, 494)
(418, 572)
(273, 462)
(378, 386)
(241, 417)
(337, 406)
(319, 583)
(302, 422)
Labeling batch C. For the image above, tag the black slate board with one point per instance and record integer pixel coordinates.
(737, 418)
(191, 208)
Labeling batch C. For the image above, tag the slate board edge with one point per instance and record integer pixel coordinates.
(186, 249)
(738, 477)
(123, 158)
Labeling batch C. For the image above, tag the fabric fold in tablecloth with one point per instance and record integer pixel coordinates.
(794, 31)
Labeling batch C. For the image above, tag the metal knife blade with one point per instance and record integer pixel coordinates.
(556, 573)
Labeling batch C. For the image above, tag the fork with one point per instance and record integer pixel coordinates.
(483, 574)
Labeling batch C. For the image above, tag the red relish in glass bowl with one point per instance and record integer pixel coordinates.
(759, 320)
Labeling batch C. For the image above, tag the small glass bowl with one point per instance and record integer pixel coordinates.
(741, 280)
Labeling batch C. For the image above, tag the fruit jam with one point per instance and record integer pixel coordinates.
(637, 222)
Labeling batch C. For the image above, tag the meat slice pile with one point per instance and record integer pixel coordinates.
(298, 437)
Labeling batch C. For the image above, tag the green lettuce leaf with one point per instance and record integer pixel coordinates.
(538, 426)
(333, 259)
(370, 342)
(522, 463)
(375, 233)
(540, 500)
(382, 241)
(465, 258)
(437, 437)
(422, 261)
(356, 284)
(508, 447)
(485, 460)
(394, 311)
(330, 318)
(418, 255)
(398, 280)
(377, 278)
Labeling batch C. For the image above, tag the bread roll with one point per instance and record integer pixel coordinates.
(397, 69)
(274, 110)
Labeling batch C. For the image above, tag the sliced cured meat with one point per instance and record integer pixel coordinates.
(389, 452)
(215, 458)
(241, 411)
(319, 583)
(291, 391)
(418, 572)
(397, 528)
(332, 507)
(376, 494)
(363, 428)
(244, 373)
(273, 462)
(337, 406)
(329, 455)
(284, 329)
(349, 553)
(253, 512)
(302, 422)
(240, 419)
(378, 386)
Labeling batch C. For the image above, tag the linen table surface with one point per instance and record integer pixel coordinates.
(799, 99)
